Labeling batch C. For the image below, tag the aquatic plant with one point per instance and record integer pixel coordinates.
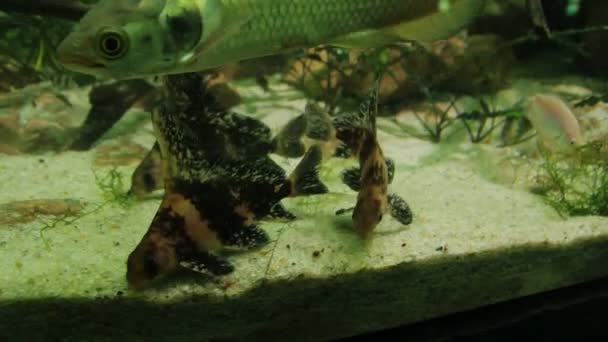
(66, 219)
(516, 130)
(20, 212)
(567, 40)
(592, 100)
(577, 186)
(53, 213)
(113, 188)
(340, 77)
(320, 73)
(27, 48)
(481, 123)
(48, 213)
(439, 121)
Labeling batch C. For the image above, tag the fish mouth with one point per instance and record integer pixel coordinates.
(84, 65)
(81, 63)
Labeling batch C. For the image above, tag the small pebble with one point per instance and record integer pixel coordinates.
(443, 248)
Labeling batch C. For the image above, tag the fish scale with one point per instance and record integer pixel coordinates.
(285, 24)
(317, 20)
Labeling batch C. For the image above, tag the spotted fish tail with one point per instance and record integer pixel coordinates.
(305, 178)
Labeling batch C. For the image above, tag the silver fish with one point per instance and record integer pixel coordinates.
(137, 38)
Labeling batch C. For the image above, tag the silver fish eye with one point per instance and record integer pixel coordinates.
(112, 44)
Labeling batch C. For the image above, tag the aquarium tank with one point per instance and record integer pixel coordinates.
(301, 170)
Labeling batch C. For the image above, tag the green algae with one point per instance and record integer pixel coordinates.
(113, 188)
(577, 185)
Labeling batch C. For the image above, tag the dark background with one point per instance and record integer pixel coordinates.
(576, 313)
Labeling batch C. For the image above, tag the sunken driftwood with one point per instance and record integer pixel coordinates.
(109, 103)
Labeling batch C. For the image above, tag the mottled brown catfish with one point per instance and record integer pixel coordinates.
(148, 176)
(374, 174)
(217, 185)
(197, 219)
(226, 134)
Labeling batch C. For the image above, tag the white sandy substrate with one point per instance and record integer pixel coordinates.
(455, 208)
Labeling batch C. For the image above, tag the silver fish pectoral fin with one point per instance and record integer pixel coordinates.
(364, 40)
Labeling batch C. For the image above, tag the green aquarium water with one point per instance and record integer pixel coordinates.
(204, 170)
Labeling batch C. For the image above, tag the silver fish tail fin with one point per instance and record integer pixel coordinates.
(436, 25)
